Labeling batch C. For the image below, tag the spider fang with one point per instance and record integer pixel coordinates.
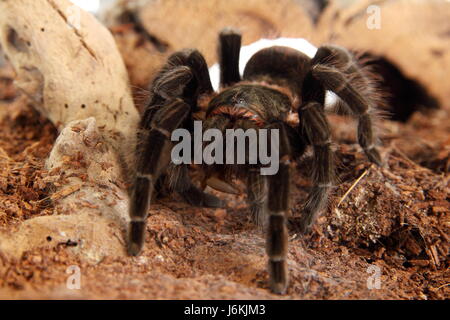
(222, 186)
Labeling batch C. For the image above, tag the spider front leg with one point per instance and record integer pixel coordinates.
(257, 184)
(315, 128)
(336, 79)
(271, 212)
(175, 91)
(278, 208)
(257, 190)
(185, 75)
(153, 157)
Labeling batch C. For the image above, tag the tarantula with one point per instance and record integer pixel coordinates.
(278, 83)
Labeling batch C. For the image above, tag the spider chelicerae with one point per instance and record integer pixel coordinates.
(278, 85)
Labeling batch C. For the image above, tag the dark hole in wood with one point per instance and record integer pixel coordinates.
(16, 42)
(404, 95)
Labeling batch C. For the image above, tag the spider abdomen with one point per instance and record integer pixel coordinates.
(283, 66)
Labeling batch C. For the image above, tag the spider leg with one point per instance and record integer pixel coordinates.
(169, 84)
(257, 190)
(194, 60)
(175, 91)
(153, 158)
(315, 128)
(257, 184)
(336, 79)
(278, 208)
(173, 82)
(199, 84)
(229, 51)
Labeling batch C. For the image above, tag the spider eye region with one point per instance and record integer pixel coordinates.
(240, 103)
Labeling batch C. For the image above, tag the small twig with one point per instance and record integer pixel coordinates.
(4, 155)
(444, 285)
(444, 181)
(353, 185)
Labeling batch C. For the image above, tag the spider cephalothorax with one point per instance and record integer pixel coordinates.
(278, 84)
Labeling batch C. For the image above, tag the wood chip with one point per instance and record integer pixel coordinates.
(420, 263)
(65, 192)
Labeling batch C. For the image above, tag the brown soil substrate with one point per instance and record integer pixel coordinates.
(395, 218)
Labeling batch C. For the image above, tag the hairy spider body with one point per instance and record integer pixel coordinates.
(277, 83)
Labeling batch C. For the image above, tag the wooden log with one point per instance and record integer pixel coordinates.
(68, 64)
